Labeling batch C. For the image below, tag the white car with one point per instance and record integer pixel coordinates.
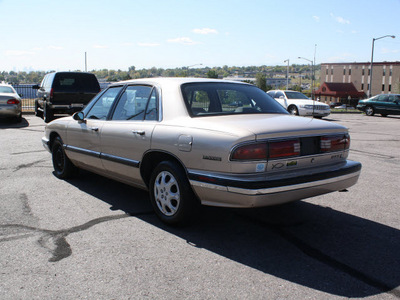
(299, 104)
(10, 103)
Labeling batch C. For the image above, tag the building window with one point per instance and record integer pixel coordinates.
(362, 86)
(368, 86)
(390, 72)
(390, 87)
(369, 72)
(363, 72)
(344, 71)
(349, 71)
(331, 71)
(383, 87)
(384, 72)
(326, 71)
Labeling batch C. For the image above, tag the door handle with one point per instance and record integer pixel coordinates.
(139, 132)
(94, 128)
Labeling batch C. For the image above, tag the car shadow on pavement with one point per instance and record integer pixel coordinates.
(9, 123)
(311, 245)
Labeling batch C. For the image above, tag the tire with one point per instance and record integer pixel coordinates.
(293, 110)
(18, 119)
(63, 167)
(369, 111)
(38, 113)
(171, 196)
(48, 114)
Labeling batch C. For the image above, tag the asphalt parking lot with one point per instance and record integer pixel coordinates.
(93, 238)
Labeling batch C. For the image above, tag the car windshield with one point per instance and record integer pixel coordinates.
(214, 98)
(296, 95)
(6, 90)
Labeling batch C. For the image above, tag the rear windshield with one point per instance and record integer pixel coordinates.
(6, 90)
(76, 82)
(214, 98)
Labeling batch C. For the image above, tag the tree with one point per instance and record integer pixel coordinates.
(212, 74)
(261, 81)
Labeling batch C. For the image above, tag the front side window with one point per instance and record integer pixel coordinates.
(137, 103)
(100, 109)
(214, 98)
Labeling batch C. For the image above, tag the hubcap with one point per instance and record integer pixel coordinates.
(166, 193)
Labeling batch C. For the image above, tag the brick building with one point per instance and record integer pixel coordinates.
(385, 77)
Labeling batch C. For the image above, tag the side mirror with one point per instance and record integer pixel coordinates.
(21, 95)
(36, 87)
(79, 116)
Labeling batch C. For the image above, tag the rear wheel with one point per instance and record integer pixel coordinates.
(63, 167)
(38, 112)
(369, 111)
(171, 195)
(48, 114)
(293, 110)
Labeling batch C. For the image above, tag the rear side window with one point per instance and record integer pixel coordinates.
(76, 82)
(137, 103)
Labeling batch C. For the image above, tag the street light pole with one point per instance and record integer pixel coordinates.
(192, 66)
(372, 61)
(312, 75)
(287, 74)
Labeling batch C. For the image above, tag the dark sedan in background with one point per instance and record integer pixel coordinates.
(385, 104)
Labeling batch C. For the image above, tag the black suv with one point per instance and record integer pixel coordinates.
(64, 93)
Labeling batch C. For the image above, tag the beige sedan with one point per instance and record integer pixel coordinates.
(201, 141)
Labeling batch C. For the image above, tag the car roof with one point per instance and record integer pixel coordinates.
(176, 81)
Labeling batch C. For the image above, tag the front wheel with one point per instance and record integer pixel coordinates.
(63, 167)
(171, 195)
(293, 110)
(369, 111)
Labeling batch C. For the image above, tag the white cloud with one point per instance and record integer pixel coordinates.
(205, 31)
(183, 40)
(18, 52)
(100, 46)
(316, 18)
(148, 44)
(55, 47)
(388, 51)
(340, 19)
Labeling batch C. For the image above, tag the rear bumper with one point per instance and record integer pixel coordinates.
(9, 111)
(236, 192)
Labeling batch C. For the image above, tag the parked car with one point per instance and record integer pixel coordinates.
(384, 104)
(183, 141)
(299, 104)
(10, 103)
(64, 93)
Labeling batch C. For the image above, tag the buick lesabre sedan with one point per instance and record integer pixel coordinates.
(183, 141)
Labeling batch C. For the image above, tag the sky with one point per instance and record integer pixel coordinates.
(43, 35)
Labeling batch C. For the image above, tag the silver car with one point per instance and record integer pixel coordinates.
(186, 143)
(10, 103)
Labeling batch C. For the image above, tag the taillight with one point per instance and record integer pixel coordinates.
(13, 101)
(250, 152)
(282, 149)
(51, 94)
(333, 143)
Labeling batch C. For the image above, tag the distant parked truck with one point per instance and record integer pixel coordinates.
(64, 93)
